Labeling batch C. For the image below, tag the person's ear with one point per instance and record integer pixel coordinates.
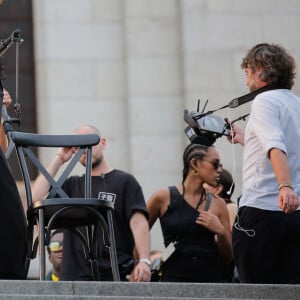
(193, 164)
(260, 74)
(103, 143)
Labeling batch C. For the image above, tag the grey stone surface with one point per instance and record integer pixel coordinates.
(30, 289)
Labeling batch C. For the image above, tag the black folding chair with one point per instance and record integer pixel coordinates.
(59, 211)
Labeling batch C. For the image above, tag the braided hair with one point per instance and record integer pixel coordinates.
(192, 151)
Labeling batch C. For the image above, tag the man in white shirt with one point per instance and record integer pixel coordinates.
(265, 236)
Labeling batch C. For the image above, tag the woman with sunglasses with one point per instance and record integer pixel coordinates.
(195, 224)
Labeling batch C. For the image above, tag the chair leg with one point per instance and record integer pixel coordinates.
(30, 254)
(95, 269)
(92, 246)
(42, 244)
(113, 251)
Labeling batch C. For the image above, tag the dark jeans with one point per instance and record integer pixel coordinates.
(272, 254)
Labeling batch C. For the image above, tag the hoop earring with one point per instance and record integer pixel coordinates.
(195, 172)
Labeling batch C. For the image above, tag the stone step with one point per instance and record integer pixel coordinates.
(38, 297)
(33, 289)
(65, 297)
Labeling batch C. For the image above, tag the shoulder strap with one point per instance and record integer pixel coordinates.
(172, 188)
(173, 198)
(250, 96)
(208, 202)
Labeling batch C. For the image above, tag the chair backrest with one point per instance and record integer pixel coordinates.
(25, 142)
(65, 212)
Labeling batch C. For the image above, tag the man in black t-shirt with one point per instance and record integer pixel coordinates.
(130, 217)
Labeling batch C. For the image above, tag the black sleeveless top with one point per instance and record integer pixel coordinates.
(178, 225)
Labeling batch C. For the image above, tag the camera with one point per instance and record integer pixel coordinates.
(204, 128)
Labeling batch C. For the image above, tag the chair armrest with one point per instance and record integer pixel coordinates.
(52, 140)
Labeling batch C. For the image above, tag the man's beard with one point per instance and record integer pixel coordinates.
(96, 162)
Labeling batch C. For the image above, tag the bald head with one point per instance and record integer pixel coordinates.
(87, 129)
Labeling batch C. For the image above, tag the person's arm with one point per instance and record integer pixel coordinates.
(288, 200)
(3, 138)
(156, 206)
(219, 224)
(140, 230)
(40, 187)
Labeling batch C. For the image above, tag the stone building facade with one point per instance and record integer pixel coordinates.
(131, 67)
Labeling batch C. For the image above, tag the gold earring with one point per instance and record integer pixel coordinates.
(195, 172)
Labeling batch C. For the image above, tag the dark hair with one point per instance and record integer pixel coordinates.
(228, 184)
(277, 64)
(192, 151)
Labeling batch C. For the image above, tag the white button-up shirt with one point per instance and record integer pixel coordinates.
(274, 122)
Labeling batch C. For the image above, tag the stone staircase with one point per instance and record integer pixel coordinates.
(34, 289)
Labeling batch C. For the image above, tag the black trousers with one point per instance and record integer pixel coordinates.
(13, 228)
(195, 269)
(266, 246)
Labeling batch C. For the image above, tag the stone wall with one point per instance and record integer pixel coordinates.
(131, 67)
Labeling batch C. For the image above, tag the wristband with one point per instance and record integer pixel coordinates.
(285, 184)
(146, 261)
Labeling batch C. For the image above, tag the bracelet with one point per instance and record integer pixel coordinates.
(146, 261)
(285, 184)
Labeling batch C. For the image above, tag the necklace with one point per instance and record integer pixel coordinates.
(201, 199)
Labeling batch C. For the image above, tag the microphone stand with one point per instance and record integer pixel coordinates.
(5, 44)
(5, 118)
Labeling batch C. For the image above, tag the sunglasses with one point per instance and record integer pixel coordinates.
(55, 246)
(216, 164)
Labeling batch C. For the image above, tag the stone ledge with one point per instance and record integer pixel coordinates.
(125, 290)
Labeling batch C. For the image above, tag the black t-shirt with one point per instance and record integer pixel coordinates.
(129, 198)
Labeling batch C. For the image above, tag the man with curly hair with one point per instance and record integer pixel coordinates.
(266, 234)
